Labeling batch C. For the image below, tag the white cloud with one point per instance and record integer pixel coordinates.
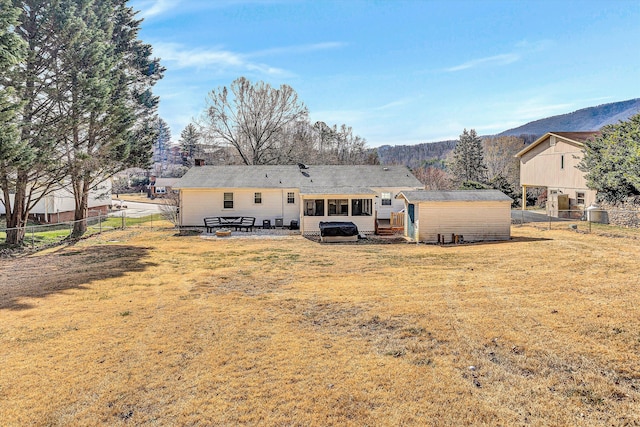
(288, 50)
(207, 58)
(156, 7)
(497, 60)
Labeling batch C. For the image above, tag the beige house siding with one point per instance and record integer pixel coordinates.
(197, 204)
(552, 163)
(384, 211)
(475, 221)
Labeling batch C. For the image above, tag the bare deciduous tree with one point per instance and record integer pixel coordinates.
(500, 160)
(252, 118)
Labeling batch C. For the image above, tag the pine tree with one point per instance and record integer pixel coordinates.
(467, 164)
(106, 96)
(30, 163)
(612, 161)
(189, 140)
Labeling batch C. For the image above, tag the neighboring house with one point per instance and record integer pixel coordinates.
(471, 215)
(159, 187)
(304, 194)
(551, 161)
(59, 205)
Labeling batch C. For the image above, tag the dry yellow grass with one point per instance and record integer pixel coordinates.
(150, 328)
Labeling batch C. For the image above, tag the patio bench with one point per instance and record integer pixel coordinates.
(237, 222)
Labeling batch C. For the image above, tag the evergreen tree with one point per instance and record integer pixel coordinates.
(189, 140)
(612, 161)
(30, 165)
(107, 79)
(467, 164)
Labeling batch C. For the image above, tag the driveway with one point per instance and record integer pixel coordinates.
(137, 209)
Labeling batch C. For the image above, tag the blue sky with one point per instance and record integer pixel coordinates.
(400, 72)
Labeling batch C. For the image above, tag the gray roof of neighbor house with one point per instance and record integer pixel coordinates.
(328, 179)
(454, 196)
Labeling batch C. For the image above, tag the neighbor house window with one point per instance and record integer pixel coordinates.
(228, 200)
(290, 198)
(562, 162)
(338, 207)
(361, 207)
(257, 198)
(314, 207)
(386, 199)
(579, 198)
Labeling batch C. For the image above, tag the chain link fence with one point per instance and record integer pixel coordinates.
(611, 222)
(38, 236)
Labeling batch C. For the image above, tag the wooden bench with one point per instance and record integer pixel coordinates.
(237, 222)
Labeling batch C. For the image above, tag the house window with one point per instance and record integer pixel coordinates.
(562, 161)
(580, 198)
(361, 207)
(290, 198)
(257, 198)
(338, 207)
(314, 207)
(228, 200)
(386, 199)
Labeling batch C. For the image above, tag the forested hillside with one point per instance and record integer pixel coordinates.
(592, 118)
(586, 119)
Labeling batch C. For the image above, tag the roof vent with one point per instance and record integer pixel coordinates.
(303, 166)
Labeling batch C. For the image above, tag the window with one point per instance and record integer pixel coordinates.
(228, 200)
(290, 198)
(562, 162)
(361, 207)
(314, 207)
(386, 199)
(338, 207)
(257, 198)
(579, 198)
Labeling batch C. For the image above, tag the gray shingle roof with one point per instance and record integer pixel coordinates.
(455, 196)
(337, 190)
(326, 177)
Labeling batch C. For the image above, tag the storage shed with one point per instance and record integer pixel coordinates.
(471, 215)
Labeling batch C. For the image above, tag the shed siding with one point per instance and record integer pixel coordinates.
(197, 204)
(475, 221)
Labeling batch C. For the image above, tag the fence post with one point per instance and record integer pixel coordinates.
(122, 216)
(33, 237)
(99, 222)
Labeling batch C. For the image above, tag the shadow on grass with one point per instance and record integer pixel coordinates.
(496, 242)
(67, 268)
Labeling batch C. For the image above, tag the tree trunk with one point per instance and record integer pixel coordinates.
(16, 214)
(81, 213)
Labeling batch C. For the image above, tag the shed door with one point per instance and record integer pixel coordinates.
(411, 223)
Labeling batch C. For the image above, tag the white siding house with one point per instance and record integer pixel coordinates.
(475, 215)
(305, 194)
(59, 205)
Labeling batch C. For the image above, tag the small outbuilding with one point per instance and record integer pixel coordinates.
(456, 216)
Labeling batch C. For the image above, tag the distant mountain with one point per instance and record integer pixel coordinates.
(415, 155)
(592, 118)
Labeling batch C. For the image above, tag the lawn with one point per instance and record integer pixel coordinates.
(142, 327)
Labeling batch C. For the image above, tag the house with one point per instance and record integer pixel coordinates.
(59, 205)
(303, 194)
(454, 216)
(159, 187)
(551, 161)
